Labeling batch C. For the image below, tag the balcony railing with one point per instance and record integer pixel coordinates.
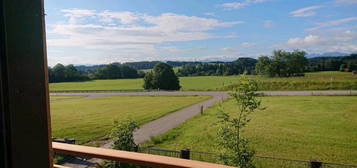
(130, 157)
(59, 166)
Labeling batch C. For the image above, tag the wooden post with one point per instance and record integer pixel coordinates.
(315, 163)
(185, 153)
(24, 117)
(201, 109)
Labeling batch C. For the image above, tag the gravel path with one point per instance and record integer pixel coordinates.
(270, 93)
(171, 120)
(163, 124)
(152, 128)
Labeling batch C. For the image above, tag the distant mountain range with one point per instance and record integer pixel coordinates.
(328, 54)
(150, 64)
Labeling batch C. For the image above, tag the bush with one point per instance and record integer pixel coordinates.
(122, 136)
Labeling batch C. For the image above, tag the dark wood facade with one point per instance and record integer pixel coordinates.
(25, 119)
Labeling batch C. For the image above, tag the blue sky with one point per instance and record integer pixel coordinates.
(105, 31)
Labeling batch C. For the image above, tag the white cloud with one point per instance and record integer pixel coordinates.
(131, 36)
(304, 12)
(268, 24)
(248, 45)
(332, 23)
(347, 2)
(240, 4)
(338, 41)
(75, 14)
(230, 57)
(234, 5)
(124, 17)
(175, 22)
(108, 37)
(167, 27)
(306, 41)
(227, 49)
(171, 49)
(210, 14)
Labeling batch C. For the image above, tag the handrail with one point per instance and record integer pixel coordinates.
(59, 166)
(131, 157)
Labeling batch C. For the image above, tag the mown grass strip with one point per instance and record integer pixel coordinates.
(90, 119)
(295, 127)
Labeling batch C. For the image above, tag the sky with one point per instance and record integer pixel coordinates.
(86, 32)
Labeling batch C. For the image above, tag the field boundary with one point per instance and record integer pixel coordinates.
(211, 157)
(144, 92)
(104, 91)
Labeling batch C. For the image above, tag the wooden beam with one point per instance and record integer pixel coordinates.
(59, 166)
(131, 157)
(24, 88)
(3, 147)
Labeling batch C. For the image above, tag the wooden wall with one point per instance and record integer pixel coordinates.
(25, 119)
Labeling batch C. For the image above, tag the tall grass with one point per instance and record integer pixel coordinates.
(311, 81)
(295, 127)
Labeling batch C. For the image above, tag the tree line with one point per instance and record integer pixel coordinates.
(239, 66)
(115, 71)
(344, 63)
(279, 64)
(151, 64)
(61, 73)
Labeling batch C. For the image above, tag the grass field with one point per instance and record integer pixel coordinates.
(296, 127)
(90, 119)
(312, 81)
(116, 84)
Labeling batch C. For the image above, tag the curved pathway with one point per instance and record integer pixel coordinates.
(165, 123)
(153, 128)
(161, 125)
(213, 93)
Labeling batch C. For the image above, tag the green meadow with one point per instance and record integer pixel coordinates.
(295, 127)
(87, 120)
(311, 81)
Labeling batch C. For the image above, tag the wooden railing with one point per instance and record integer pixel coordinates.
(59, 166)
(131, 157)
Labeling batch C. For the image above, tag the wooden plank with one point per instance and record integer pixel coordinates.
(59, 166)
(24, 86)
(3, 148)
(131, 157)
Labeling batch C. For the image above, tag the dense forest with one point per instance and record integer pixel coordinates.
(239, 66)
(281, 63)
(115, 71)
(344, 63)
(151, 64)
(61, 73)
